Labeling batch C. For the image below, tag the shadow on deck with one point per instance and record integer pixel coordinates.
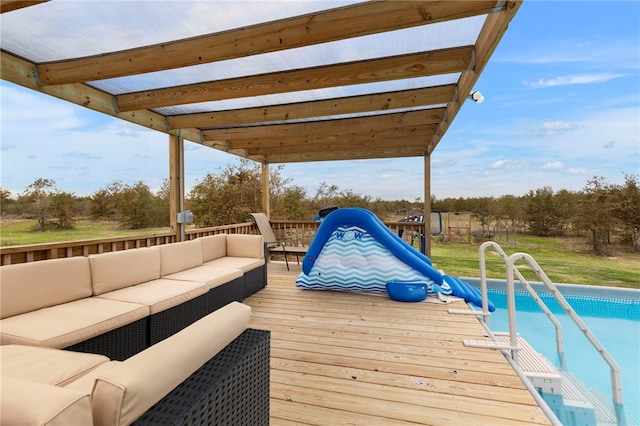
(343, 358)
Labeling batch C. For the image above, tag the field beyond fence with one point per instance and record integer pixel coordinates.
(564, 259)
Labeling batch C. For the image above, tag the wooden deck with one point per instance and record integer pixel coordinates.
(343, 358)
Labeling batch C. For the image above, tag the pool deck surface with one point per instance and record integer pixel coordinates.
(344, 358)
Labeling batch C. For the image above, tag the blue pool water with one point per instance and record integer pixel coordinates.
(614, 321)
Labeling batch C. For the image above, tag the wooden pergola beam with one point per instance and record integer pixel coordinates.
(398, 67)
(10, 5)
(314, 28)
(21, 72)
(322, 108)
(490, 35)
(362, 138)
(345, 126)
(370, 154)
(406, 139)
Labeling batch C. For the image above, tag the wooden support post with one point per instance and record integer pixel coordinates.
(427, 205)
(176, 184)
(266, 198)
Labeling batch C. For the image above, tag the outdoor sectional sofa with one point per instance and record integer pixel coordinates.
(165, 315)
(119, 303)
(213, 372)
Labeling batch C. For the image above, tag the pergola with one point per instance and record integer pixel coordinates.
(272, 81)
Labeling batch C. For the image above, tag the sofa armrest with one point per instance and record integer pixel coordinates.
(28, 403)
(235, 382)
(124, 393)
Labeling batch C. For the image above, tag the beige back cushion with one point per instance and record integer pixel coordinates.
(120, 269)
(243, 245)
(213, 247)
(125, 392)
(177, 257)
(35, 404)
(31, 286)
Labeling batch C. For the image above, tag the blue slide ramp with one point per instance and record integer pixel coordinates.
(353, 250)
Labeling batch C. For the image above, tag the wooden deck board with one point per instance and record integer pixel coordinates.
(342, 358)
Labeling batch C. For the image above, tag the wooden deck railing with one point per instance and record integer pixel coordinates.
(302, 232)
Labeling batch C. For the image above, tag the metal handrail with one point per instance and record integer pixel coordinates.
(513, 334)
(511, 272)
(483, 274)
(616, 382)
(551, 415)
(549, 314)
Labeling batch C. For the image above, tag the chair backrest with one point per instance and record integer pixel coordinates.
(265, 227)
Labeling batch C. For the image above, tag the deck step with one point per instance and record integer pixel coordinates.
(604, 411)
(542, 374)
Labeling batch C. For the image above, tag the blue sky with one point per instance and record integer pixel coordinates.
(562, 104)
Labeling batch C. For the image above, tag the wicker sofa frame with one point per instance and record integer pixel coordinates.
(118, 344)
(168, 322)
(254, 280)
(232, 388)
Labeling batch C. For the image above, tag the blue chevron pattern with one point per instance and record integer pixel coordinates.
(352, 260)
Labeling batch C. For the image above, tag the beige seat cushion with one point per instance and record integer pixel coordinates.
(33, 404)
(213, 247)
(246, 264)
(211, 275)
(123, 393)
(30, 286)
(177, 257)
(160, 294)
(45, 365)
(67, 324)
(120, 269)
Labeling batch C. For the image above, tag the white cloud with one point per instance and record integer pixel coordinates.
(578, 171)
(553, 165)
(498, 164)
(609, 144)
(81, 155)
(508, 164)
(618, 49)
(568, 80)
(551, 128)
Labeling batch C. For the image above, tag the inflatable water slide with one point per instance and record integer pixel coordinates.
(353, 250)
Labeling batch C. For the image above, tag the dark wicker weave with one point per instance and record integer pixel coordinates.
(255, 280)
(226, 293)
(118, 344)
(230, 389)
(168, 322)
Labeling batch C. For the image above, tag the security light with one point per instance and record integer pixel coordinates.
(476, 97)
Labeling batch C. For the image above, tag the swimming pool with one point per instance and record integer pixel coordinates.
(615, 321)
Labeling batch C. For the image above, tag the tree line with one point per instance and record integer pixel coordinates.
(603, 211)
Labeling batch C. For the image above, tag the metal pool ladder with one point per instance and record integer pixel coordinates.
(515, 344)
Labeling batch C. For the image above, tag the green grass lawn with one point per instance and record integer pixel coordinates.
(564, 260)
(21, 232)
